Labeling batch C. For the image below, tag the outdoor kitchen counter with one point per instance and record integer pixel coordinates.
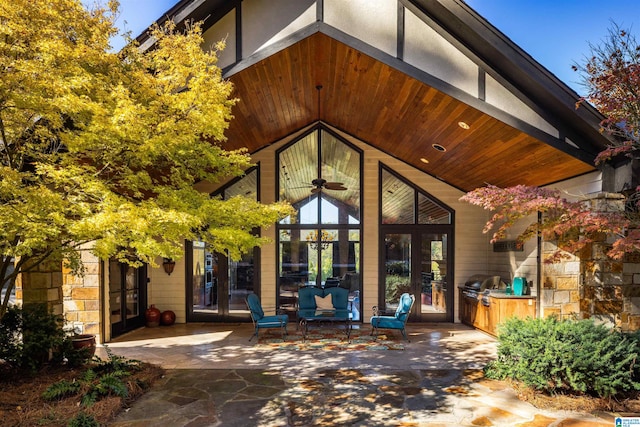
(489, 311)
(502, 295)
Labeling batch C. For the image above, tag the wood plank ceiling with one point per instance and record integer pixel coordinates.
(389, 110)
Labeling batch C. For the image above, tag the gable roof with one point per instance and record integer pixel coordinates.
(322, 74)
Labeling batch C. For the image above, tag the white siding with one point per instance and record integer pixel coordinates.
(224, 29)
(580, 186)
(266, 22)
(500, 97)
(168, 292)
(375, 22)
(425, 49)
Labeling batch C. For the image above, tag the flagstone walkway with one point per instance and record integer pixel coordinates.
(216, 377)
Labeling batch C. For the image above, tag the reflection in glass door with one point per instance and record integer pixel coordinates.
(397, 269)
(127, 297)
(219, 286)
(433, 273)
(416, 263)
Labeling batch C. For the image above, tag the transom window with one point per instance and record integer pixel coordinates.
(403, 204)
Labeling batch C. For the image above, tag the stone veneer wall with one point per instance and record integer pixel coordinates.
(41, 285)
(77, 298)
(591, 285)
(81, 297)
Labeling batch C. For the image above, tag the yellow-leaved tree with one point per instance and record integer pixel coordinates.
(104, 147)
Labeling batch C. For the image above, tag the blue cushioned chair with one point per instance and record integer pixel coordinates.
(260, 321)
(398, 320)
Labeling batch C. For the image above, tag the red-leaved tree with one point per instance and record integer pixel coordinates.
(611, 76)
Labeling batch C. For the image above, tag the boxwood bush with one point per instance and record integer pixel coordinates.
(567, 356)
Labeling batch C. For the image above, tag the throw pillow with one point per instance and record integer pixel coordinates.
(324, 303)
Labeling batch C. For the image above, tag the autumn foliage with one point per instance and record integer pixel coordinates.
(104, 147)
(611, 76)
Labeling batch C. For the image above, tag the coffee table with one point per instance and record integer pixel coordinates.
(320, 317)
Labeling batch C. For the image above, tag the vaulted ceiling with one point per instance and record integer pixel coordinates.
(318, 75)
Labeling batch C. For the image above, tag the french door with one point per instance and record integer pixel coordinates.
(127, 297)
(217, 286)
(417, 260)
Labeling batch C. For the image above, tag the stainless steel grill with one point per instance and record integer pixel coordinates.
(479, 286)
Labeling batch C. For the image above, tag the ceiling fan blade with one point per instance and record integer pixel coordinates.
(334, 186)
(316, 190)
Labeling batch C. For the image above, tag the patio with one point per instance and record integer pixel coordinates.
(215, 376)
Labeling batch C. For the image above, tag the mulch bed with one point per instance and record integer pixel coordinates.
(21, 402)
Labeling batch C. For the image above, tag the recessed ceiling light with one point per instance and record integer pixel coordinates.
(463, 125)
(423, 160)
(439, 147)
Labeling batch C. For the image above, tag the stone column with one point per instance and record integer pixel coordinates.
(81, 296)
(42, 284)
(591, 285)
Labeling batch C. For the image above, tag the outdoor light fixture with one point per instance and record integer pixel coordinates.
(168, 264)
(463, 125)
(439, 147)
(423, 160)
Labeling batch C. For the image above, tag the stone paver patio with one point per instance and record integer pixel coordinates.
(216, 377)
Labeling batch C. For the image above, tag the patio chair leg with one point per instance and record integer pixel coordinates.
(254, 335)
(404, 334)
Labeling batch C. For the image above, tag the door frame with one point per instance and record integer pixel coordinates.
(416, 231)
(223, 313)
(126, 325)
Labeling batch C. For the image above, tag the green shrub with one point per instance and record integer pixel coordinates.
(104, 378)
(567, 356)
(83, 420)
(31, 336)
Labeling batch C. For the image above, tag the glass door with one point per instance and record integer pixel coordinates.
(127, 297)
(433, 275)
(417, 262)
(219, 285)
(397, 273)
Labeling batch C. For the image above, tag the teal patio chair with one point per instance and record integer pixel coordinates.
(398, 320)
(260, 321)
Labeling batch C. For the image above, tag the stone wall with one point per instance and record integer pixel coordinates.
(81, 297)
(75, 297)
(560, 285)
(592, 285)
(42, 284)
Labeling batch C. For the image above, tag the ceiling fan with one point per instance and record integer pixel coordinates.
(322, 184)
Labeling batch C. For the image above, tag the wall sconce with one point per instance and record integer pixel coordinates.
(168, 264)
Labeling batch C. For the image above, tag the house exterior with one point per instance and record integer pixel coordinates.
(373, 118)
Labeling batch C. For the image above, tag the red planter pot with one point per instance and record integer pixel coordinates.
(167, 318)
(152, 315)
(85, 342)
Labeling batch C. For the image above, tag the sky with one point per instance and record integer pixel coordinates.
(556, 33)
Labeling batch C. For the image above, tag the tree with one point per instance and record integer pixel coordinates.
(611, 75)
(104, 148)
